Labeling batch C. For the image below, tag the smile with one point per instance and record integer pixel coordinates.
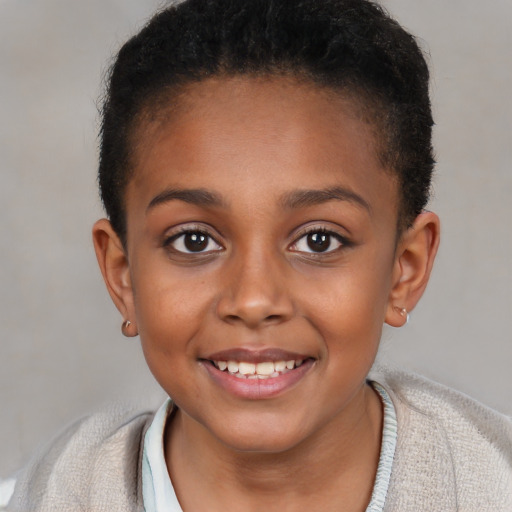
(261, 371)
(257, 375)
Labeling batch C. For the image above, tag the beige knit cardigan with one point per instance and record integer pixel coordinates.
(453, 454)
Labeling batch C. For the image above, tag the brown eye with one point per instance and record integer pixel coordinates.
(190, 242)
(195, 242)
(317, 242)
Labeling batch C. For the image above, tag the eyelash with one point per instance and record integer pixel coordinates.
(187, 230)
(341, 240)
(209, 239)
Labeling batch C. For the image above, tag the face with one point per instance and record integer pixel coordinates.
(261, 244)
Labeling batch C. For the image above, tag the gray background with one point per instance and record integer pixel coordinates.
(62, 354)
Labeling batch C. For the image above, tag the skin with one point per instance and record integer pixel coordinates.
(255, 146)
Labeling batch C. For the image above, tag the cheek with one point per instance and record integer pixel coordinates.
(171, 310)
(348, 306)
(360, 289)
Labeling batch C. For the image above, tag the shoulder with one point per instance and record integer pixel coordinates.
(450, 447)
(459, 414)
(94, 463)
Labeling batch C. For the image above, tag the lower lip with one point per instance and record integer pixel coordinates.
(257, 389)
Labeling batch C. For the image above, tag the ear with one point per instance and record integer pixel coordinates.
(115, 269)
(414, 258)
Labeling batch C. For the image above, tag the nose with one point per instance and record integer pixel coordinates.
(255, 292)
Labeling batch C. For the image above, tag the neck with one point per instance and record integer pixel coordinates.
(333, 469)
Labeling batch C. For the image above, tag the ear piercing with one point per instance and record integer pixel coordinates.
(127, 330)
(403, 312)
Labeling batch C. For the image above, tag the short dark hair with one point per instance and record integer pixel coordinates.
(347, 45)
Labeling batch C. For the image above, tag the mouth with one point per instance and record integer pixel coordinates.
(261, 371)
(257, 375)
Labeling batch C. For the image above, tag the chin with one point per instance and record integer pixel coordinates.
(256, 437)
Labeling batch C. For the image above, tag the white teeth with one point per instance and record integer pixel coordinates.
(232, 367)
(279, 366)
(263, 370)
(266, 368)
(246, 368)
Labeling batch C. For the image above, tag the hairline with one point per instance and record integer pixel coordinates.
(161, 103)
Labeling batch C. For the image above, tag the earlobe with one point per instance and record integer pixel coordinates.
(115, 269)
(415, 255)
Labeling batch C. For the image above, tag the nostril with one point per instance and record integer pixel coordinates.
(246, 318)
(254, 302)
(266, 318)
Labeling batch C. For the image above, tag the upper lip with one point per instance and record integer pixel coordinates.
(255, 356)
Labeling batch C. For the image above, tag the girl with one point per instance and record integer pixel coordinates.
(265, 166)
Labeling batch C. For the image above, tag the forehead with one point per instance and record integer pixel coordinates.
(244, 134)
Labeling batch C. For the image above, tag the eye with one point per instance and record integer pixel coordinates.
(192, 241)
(319, 241)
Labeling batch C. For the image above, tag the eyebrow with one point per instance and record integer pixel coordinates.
(304, 198)
(292, 200)
(196, 196)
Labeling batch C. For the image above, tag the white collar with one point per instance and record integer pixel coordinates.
(157, 491)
